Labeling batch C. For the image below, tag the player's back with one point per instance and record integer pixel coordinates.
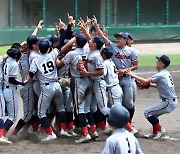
(122, 142)
(46, 67)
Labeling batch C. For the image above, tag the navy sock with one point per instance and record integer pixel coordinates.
(153, 120)
(8, 124)
(20, 124)
(90, 118)
(82, 119)
(1, 123)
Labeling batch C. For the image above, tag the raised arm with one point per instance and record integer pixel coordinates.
(39, 26)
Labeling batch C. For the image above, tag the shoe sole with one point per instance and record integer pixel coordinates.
(86, 141)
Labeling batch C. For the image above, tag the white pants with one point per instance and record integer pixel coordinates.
(2, 104)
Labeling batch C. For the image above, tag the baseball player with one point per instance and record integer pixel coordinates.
(95, 71)
(26, 92)
(83, 92)
(111, 77)
(121, 141)
(164, 83)
(45, 68)
(10, 86)
(124, 58)
(33, 44)
(130, 41)
(2, 102)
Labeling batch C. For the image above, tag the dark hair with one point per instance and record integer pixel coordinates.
(16, 45)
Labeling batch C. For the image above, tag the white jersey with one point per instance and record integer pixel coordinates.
(10, 70)
(123, 57)
(94, 62)
(45, 67)
(72, 59)
(1, 69)
(110, 74)
(64, 71)
(122, 142)
(24, 68)
(165, 84)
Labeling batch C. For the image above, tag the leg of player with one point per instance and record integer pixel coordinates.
(27, 96)
(10, 96)
(80, 95)
(47, 94)
(152, 114)
(61, 115)
(126, 86)
(67, 96)
(2, 115)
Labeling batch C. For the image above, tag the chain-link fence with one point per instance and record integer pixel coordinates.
(26, 13)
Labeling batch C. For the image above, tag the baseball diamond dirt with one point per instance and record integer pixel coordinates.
(29, 144)
(145, 98)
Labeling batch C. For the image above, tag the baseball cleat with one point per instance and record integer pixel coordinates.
(149, 136)
(94, 135)
(159, 134)
(4, 140)
(134, 131)
(71, 132)
(83, 139)
(49, 137)
(64, 133)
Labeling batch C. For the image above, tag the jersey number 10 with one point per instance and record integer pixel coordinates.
(48, 67)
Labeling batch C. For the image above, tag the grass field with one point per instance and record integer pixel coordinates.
(144, 60)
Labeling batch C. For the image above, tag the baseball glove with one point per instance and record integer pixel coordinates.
(64, 82)
(81, 65)
(142, 86)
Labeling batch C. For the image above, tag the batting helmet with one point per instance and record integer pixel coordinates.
(14, 53)
(118, 116)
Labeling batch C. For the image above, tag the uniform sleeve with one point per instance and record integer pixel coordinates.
(55, 53)
(112, 46)
(134, 55)
(68, 58)
(33, 66)
(13, 71)
(155, 78)
(98, 61)
(105, 69)
(108, 149)
(138, 149)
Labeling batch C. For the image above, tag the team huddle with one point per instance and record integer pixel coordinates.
(80, 80)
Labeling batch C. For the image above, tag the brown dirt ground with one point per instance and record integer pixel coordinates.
(144, 99)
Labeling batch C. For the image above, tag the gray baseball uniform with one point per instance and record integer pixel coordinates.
(2, 102)
(165, 86)
(123, 58)
(10, 90)
(26, 92)
(95, 62)
(45, 68)
(83, 91)
(112, 82)
(122, 142)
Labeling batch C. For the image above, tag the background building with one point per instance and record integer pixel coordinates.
(148, 20)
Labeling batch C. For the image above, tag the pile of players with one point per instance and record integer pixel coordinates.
(69, 81)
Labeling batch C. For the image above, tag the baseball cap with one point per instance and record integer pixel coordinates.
(44, 45)
(99, 41)
(165, 59)
(14, 53)
(53, 39)
(33, 39)
(121, 34)
(107, 52)
(80, 39)
(93, 28)
(130, 36)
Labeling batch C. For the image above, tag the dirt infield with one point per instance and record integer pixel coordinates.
(144, 99)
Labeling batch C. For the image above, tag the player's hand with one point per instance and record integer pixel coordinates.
(27, 79)
(40, 24)
(129, 72)
(88, 21)
(83, 26)
(105, 31)
(94, 20)
(70, 19)
(84, 73)
(62, 25)
(56, 27)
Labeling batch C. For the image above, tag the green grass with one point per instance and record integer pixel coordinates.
(3, 49)
(151, 60)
